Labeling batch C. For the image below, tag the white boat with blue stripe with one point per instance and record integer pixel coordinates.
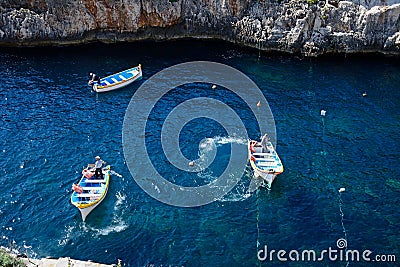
(264, 160)
(117, 80)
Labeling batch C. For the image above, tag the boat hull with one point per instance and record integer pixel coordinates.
(86, 211)
(265, 162)
(118, 80)
(94, 192)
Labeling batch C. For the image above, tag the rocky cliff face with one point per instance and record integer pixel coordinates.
(283, 25)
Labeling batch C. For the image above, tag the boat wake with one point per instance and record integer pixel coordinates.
(117, 224)
(207, 153)
(243, 189)
(116, 227)
(223, 140)
(115, 173)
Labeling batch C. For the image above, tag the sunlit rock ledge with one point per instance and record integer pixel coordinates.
(61, 262)
(308, 27)
(14, 258)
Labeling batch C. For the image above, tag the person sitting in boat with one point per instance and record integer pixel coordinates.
(77, 188)
(88, 174)
(264, 141)
(93, 78)
(252, 144)
(98, 165)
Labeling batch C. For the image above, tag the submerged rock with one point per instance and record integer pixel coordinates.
(282, 25)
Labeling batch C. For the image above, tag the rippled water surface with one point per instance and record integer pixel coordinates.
(52, 125)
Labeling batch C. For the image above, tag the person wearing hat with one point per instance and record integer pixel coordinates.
(98, 165)
(93, 78)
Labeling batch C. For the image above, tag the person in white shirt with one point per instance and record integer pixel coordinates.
(264, 140)
(98, 165)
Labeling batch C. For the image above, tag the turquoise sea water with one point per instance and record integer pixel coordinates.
(52, 125)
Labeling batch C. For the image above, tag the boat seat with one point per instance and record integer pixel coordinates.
(121, 77)
(262, 154)
(89, 195)
(114, 80)
(266, 159)
(94, 181)
(91, 187)
(268, 168)
(134, 72)
(266, 164)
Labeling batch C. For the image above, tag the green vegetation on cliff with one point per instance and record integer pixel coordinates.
(6, 260)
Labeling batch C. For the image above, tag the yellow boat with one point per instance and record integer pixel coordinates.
(91, 191)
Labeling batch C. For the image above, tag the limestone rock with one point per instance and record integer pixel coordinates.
(287, 25)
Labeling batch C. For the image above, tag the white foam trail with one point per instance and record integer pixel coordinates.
(207, 175)
(67, 235)
(115, 173)
(241, 191)
(208, 145)
(117, 224)
(119, 227)
(223, 140)
(244, 189)
(207, 152)
(120, 199)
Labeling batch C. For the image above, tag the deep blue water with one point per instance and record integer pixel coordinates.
(52, 125)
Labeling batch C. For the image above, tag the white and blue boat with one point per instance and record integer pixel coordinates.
(117, 80)
(264, 161)
(92, 191)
